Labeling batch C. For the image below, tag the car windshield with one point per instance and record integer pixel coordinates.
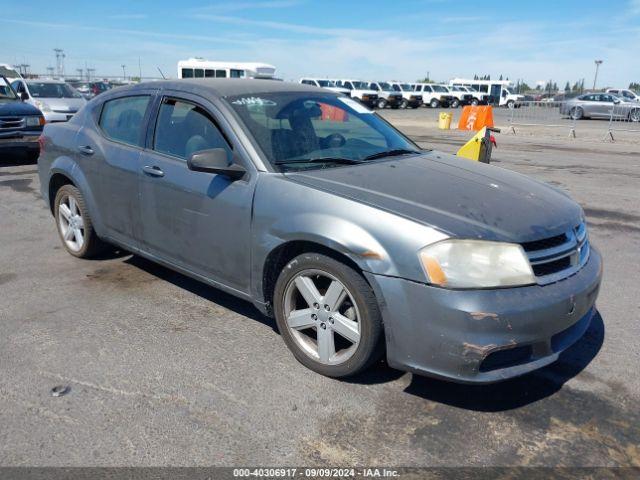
(6, 92)
(326, 83)
(299, 130)
(360, 86)
(385, 87)
(405, 87)
(457, 89)
(439, 88)
(52, 90)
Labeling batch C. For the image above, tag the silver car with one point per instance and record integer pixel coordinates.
(312, 207)
(600, 105)
(57, 100)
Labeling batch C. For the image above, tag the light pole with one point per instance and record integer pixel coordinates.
(124, 73)
(595, 77)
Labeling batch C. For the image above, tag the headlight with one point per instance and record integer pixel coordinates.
(43, 106)
(476, 264)
(34, 121)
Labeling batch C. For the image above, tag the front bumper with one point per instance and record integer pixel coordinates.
(484, 336)
(20, 141)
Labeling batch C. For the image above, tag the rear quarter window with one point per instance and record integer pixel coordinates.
(122, 119)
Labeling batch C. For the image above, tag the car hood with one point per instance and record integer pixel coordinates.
(64, 104)
(17, 108)
(460, 197)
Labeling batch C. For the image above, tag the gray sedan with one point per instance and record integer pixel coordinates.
(600, 105)
(321, 214)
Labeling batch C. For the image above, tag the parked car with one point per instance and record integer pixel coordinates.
(600, 105)
(509, 99)
(20, 123)
(477, 97)
(625, 94)
(459, 94)
(360, 91)
(57, 100)
(434, 95)
(325, 83)
(387, 97)
(99, 87)
(84, 88)
(356, 240)
(410, 98)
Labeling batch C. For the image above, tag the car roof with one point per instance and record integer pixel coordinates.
(223, 87)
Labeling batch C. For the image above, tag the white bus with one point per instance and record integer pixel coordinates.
(501, 91)
(200, 68)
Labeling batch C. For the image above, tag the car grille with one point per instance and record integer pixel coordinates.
(11, 123)
(558, 257)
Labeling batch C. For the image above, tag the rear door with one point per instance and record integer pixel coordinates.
(195, 220)
(110, 144)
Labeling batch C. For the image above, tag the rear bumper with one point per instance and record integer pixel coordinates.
(20, 141)
(484, 336)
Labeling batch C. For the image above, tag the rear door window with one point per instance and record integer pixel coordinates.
(122, 119)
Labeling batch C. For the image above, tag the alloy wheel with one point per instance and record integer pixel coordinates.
(322, 317)
(71, 223)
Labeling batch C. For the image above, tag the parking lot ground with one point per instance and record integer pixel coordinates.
(164, 370)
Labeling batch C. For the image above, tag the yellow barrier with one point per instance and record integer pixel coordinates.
(444, 121)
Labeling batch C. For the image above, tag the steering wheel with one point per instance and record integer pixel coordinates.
(335, 140)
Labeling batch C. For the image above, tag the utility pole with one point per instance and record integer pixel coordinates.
(60, 56)
(124, 72)
(139, 70)
(50, 71)
(79, 70)
(595, 77)
(89, 73)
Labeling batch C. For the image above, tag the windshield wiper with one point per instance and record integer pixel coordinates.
(391, 153)
(347, 161)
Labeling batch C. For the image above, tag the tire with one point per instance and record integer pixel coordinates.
(404, 103)
(634, 115)
(511, 104)
(576, 113)
(475, 102)
(415, 105)
(355, 306)
(455, 103)
(434, 103)
(74, 224)
(381, 103)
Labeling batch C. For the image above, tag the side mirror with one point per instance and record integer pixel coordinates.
(24, 96)
(215, 161)
(616, 101)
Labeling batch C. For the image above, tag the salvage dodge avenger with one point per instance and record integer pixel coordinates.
(318, 211)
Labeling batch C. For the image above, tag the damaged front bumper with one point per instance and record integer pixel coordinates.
(484, 336)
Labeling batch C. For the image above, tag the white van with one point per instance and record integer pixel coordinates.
(200, 68)
(359, 91)
(8, 72)
(325, 83)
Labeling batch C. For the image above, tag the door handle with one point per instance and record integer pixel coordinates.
(85, 150)
(153, 171)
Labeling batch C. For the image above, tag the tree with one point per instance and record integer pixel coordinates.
(567, 87)
(635, 86)
(555, 87)
(475, 77)
(500, 76)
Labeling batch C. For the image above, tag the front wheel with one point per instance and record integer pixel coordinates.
(475, 102)
(634, 115)
(511, 104)
(74, 224)
(404, 103)
(381, 104)
(455, 103)
(328, 316)
(434, 103)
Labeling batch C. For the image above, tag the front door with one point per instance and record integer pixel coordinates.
(195, 220)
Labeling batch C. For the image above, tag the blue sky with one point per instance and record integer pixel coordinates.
(376, 39)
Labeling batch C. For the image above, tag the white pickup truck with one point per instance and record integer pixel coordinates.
(509, 99)
(434, 95)
(460, 96)
(359, 91)
(324, 83)
(410, 98)
(626, 94)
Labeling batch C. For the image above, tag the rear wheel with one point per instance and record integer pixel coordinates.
(74, 224)
(434, 103)
(634, 115)
(328, 315)
(576, 113)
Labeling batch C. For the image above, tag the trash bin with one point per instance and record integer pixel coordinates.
(444, 121)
